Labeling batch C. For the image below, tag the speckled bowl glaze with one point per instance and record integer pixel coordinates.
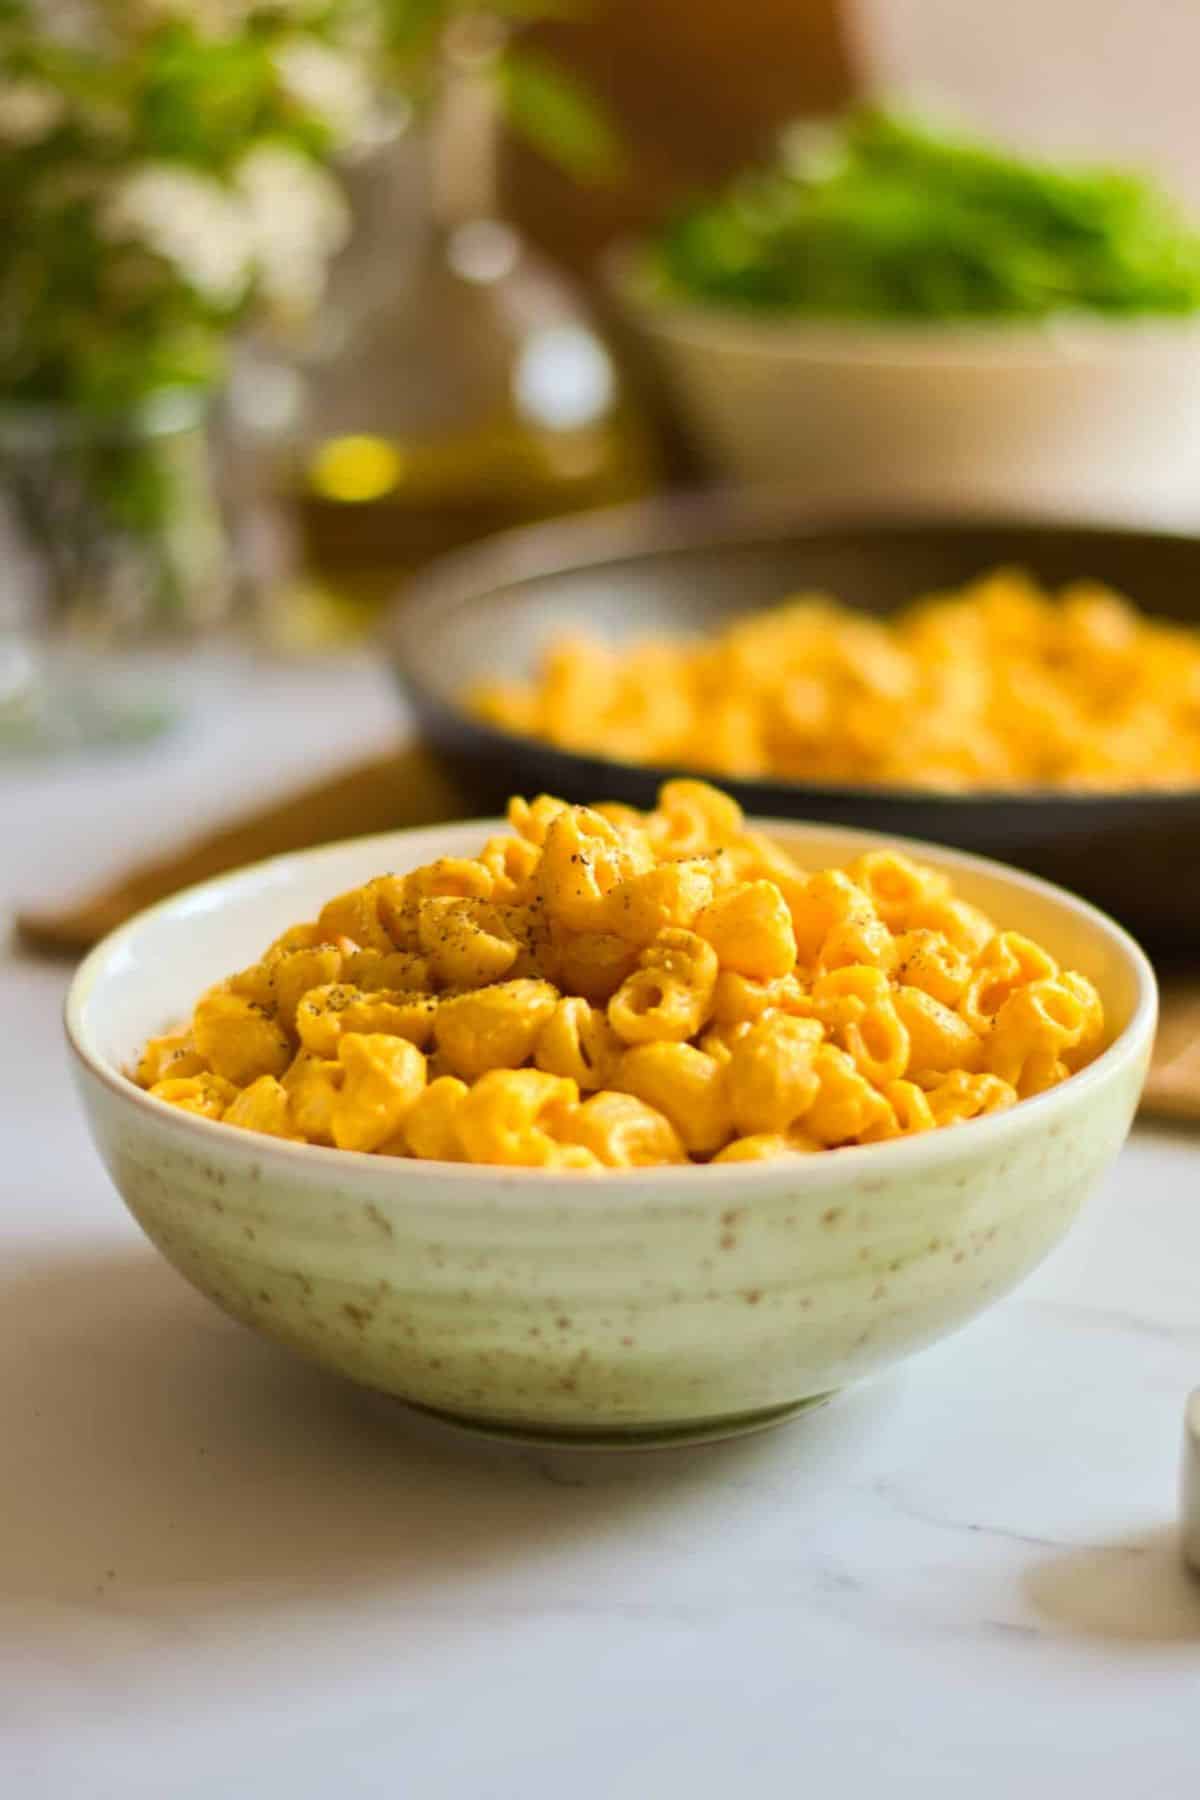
(651, 1305)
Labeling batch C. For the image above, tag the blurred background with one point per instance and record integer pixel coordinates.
(296, 297)
(1105, 80)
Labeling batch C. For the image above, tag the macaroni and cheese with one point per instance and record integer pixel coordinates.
(1000, 685)
(601, 988)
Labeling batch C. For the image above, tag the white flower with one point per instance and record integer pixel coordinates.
(192, 222)
(71, 22)
(297, 219)
(29, 111)
(326, 82)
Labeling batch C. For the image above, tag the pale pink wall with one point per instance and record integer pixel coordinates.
(1118, 78)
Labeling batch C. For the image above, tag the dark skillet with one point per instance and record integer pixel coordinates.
(681, 566)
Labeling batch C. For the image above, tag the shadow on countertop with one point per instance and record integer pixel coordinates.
(1136, 1592)
(152, 1444)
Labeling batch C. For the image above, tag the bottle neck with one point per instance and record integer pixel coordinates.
(463, 128)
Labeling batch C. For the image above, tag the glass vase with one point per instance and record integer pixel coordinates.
(113, 537)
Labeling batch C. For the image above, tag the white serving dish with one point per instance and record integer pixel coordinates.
(1079, 417)
(654, 1304)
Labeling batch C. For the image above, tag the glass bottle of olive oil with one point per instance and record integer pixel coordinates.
(471, 392)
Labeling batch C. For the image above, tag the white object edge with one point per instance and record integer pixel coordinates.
(1191, 1483)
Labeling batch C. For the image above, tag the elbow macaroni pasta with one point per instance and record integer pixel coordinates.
(1000, 685)
(603, 989)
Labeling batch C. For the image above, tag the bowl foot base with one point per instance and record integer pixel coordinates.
(627, 1437)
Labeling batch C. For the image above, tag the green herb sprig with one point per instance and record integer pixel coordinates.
(882, 217)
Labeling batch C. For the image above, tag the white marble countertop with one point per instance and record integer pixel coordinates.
(224, 1575)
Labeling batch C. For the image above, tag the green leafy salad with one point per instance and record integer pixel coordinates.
(882, 217)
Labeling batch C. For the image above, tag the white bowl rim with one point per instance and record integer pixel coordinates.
(992, 1131)
(1061, 338)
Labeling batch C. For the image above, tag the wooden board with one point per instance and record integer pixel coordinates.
(1173, 1086)
(694, 96)
(391, 792)
(385, 794)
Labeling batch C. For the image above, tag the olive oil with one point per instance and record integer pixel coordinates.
(471, 393)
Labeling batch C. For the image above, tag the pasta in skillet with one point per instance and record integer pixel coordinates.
(604, 989)
(998, 686)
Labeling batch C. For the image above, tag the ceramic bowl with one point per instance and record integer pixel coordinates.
(1087, 416)
(654, 1304)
